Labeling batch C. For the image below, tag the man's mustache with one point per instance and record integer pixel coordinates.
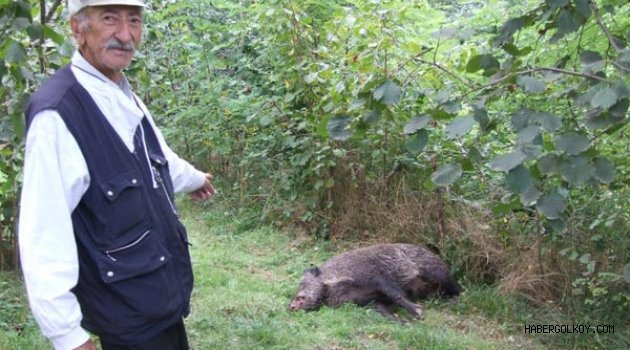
(116, 44)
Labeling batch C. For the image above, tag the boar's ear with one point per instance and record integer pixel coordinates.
(314, 270)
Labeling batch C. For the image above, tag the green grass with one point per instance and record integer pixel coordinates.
(246, 278)
(246, 274)
(18, 330)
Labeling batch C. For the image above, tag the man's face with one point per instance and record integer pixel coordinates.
(108, 37)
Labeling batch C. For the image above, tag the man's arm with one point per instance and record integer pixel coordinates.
(185, 177)
(55, 179)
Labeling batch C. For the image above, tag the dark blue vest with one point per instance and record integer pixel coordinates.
(135, 274)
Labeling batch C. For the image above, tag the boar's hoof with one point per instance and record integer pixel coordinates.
(418, 314)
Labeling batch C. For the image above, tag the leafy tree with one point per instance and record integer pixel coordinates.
(32, 46)
(295, 104)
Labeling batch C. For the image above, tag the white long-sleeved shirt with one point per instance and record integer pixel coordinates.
(55, 178)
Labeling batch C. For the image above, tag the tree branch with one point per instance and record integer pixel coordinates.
(533, 70)
(443, 69)
(569, 72)
(51, 12)
(620, 66)
(601, 24)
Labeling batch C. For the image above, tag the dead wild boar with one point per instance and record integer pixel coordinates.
(381, 275)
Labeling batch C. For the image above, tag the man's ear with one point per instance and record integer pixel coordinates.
(77, 31)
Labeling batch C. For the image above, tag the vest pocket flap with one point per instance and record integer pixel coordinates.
(157, 158)
(139, 257)
(114, 186)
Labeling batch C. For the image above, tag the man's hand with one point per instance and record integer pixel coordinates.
(88, 345)
(204, 192)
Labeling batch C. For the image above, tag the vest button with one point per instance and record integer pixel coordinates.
(110, 274)
(134, 181)
(110, 193)
(162, 258)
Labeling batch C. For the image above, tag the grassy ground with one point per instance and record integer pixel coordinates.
(245, 280)
(246, 276)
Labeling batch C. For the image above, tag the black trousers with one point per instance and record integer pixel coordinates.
(172, 338)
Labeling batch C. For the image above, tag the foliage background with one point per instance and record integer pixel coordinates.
(500, 140)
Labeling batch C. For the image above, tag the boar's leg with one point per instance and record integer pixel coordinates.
(393, 292)
(385, 311)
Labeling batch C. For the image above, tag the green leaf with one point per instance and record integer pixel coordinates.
(530, 84)
(583, 8)
(566, 23)
(507, 162)
(511, 49)
(512, 26)
(571, 143)
(440, 114)
(549, 164)
(452, 106)
(519, 180)
(481, 116)
(530, 196)
(548, 121)
(487, 62)
(623, 58)
(459, 127)
(3, 69)
(503, 208)
(604, 98)
(474, 64)
(416, 142)
(389, 93)
(521, 118)
(529, 135)
(590, 57)
(417, 123)
(531, 151)
(552, 206)
(576, 170)
(598, 119)
(372, 117)
(20, 23)
(475, 155)
(558, 225)
(621, 89)
(23, 9)
(556, 4)
(620, 109)
(337, 128)
(35, 31)
(51, 34)
(605, 170)
(447, 174)
(15, 53)
(67, 48)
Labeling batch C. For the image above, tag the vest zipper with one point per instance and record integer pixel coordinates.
(127, 246)
(160, 181)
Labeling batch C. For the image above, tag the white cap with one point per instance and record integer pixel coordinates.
(75, 6)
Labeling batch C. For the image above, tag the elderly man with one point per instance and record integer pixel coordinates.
(102, 247)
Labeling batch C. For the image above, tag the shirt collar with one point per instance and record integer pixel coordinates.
(82, 64)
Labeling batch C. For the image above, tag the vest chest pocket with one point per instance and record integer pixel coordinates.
(125, 206)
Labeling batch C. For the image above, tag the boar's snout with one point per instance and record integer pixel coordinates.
(304, 301)
(296, 303)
